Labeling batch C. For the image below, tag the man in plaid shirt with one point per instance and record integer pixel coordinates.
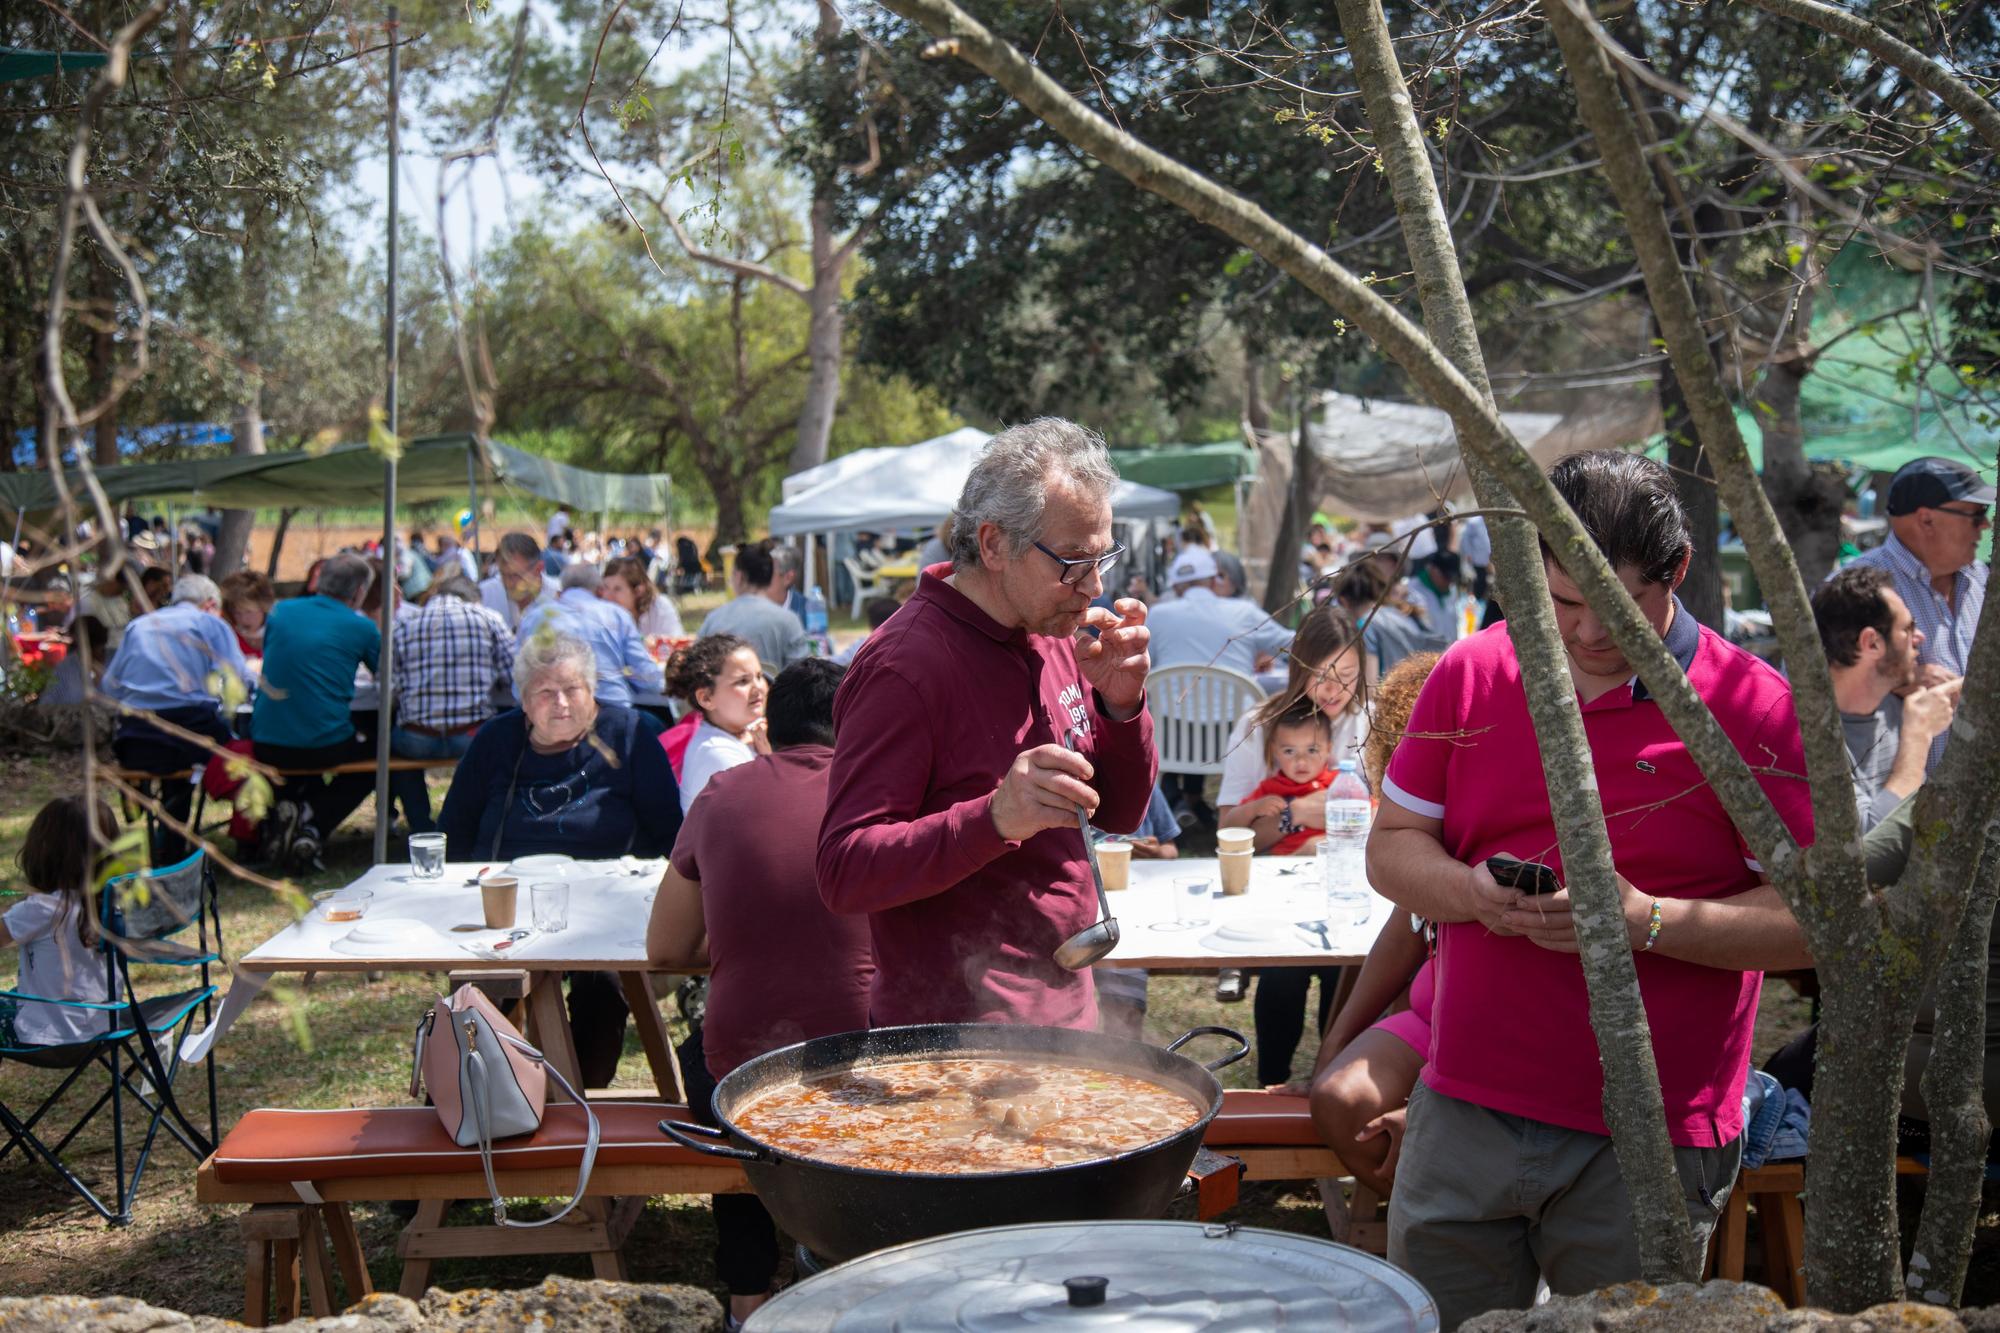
(451, 658)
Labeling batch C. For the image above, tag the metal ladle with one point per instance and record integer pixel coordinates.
(1099, 939)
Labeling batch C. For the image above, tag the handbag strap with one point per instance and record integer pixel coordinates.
(472, 1065)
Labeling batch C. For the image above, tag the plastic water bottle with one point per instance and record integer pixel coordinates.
(1343, 853)
(815, 612)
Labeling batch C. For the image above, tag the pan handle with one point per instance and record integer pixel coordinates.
(703, 1139)
(1220, 1062)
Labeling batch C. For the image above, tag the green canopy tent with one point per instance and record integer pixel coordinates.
(436, 467)
(1187, 467)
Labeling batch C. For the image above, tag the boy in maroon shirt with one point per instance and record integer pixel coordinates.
(951, 809)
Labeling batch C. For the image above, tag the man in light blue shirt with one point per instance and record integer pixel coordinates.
(178, 664)
(1199, 628)
(623, 664)
(1938, 509)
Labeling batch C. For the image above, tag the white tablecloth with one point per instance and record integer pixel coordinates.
(1284, 891)
(609, 906)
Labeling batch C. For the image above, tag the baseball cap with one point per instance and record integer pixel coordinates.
(1194, 565)
(1926, 483)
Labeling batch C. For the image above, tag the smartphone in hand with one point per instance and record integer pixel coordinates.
(1531, 877)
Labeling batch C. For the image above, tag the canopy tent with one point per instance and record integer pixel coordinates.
(437, 467)
(915, 487)
(1382, 460)
(833, 469)
(1187, 467)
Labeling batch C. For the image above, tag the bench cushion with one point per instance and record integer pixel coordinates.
(275, 1144)
(1255, 1119)
(286, 1145)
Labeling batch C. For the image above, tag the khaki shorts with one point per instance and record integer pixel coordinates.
(1486, 1204)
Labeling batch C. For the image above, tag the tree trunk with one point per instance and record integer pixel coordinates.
(1256, 412)
(103, 372)
(730, 527)
(1282, 587)
(823, 340)
(278, 542)
(1955, 1095)
(1807, 500)
(232, 543)
(1694, 482)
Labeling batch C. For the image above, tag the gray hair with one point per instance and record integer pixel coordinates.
(785, 559)
(544, 651)
(519, 545)
(456, 585)
(195, 590)
(345, 578)
(582, 574)
(1010, 484)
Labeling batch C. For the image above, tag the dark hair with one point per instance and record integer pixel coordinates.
(695, 667)
(157, 584)
(1325, 634)
(1627, 504)
(59, 856)
(1848, 603)
(519, 545)
(800, 709)
(1302, 713)
(95, 635)
(879, 609)
(754, 564)
(1364, 587)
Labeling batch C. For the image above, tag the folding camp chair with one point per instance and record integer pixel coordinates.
(139, 914)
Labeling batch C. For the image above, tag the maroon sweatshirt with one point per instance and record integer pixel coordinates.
(937, 706)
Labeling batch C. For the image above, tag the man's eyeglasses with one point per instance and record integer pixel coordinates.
(1976, 517)
(1075, 571)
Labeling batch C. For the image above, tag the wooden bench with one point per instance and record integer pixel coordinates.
(300, 1171)
(1775, 1189)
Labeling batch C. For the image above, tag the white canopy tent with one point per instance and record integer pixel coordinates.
(915, 487)
(896, 489)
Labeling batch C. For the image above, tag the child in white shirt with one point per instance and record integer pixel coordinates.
(55, 927)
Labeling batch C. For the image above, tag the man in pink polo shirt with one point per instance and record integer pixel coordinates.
(1506, 1173)
(951, 804)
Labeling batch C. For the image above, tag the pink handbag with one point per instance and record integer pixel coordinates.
(489, 1084)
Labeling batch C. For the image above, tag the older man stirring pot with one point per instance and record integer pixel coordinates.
(951, 811)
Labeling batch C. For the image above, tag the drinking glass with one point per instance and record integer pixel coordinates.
(548, 902)
(1191, 895)
(427, 856)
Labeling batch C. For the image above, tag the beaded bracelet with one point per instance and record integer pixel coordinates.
(1286, 825)
(1652, 927)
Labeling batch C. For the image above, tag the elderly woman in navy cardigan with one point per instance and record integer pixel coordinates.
(561, 774)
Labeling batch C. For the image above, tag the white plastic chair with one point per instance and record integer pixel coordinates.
(1194, 709)
(866, 584)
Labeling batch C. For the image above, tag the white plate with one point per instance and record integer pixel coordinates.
(1255, 935)
(387, 936)
(548, 863)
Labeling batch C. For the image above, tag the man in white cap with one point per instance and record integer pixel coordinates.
(1938, 511)
(1200, 626)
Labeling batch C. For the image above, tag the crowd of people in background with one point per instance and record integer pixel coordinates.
(889, 891)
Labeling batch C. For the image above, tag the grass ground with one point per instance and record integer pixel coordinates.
(342, 1040)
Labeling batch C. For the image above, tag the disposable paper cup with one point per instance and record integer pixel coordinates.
(1114, 862)
(499, 898)
(1235, 839)
(1235, 872)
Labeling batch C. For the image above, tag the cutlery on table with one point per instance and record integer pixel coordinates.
(1317, 928)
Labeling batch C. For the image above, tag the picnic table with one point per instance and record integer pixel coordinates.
(610, 902)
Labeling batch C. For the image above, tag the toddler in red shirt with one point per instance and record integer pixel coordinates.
(1298, 749)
